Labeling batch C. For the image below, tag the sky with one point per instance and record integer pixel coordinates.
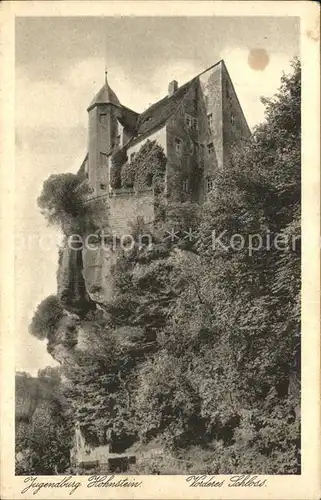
(60, 64)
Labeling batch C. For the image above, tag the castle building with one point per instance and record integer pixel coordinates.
(196, 124)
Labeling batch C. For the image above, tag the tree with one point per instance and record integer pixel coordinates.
(43, 439)
(63, 202)
(46, 319)
(235, 327)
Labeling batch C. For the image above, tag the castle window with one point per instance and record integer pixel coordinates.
(188, 120)
(195, 124)
(117, 143)
(232, 119)
(210, 119)
(132, 156)
(185, 185)
(102, 159)
(210, 185)
(103, 187)
(210, 148)
(194, 148)
(149, 180)
(178, 145)
(103, 118)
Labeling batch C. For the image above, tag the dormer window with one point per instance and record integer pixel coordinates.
(178, 145)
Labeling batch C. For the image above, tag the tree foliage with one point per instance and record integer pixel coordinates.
(43, 442)
(234, 332)
(199, 346)
(46, 318)
(63, 202)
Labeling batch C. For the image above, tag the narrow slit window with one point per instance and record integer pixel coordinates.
(210, 119)
(102, 159)
(149, 180)
(178, 145)
(210, 185)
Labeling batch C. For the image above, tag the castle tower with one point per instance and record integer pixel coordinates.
(102, 136)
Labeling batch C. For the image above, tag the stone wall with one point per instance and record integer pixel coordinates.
(211, 103)
(235, 127)
(126, 206)
(102, 136)
(182, 163)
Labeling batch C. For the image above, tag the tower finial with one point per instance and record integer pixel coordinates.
(106, 72)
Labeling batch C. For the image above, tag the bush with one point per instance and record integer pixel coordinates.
(46, 318)
(63, 203)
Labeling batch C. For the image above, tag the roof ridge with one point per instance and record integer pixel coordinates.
(179, 88)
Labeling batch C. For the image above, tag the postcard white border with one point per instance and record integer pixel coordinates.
(307, 485)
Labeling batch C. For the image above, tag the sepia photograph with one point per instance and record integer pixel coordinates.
(157, 250)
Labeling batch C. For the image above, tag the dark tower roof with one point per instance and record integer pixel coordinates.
(106, 95)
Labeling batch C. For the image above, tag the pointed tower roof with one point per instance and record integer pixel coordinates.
(106, 95)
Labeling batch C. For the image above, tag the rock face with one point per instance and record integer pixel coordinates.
(72, 290)
(86, 283)
(97, 272)
(61, 345)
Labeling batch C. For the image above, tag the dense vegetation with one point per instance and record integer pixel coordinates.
(43, 426)
(199, 348)
(63, 203)
(46, 318)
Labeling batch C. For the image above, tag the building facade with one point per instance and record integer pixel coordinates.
(196, 124)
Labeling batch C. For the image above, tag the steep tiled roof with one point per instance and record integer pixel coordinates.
(106, 95)
(161, 111)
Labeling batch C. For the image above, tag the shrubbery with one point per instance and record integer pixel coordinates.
(63, 202)
(199, 350)
(46, 318)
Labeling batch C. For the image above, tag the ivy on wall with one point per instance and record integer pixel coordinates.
(117, 161)
(147, 168)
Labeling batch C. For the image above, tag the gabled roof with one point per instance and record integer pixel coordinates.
(161, 111)
(106, 95)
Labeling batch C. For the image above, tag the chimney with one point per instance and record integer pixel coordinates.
(172, 87)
